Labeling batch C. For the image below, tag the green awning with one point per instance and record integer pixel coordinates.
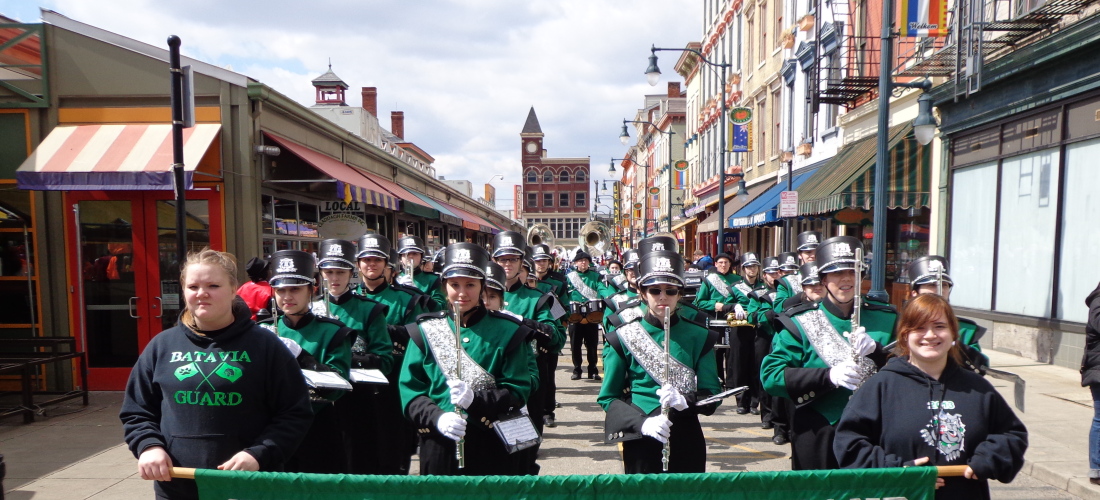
(848, 180)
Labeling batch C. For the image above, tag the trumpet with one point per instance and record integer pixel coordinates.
(460, 446)
(731, 321)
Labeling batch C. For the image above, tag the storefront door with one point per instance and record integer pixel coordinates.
(124, 271)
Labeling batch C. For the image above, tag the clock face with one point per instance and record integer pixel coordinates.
(532, 147)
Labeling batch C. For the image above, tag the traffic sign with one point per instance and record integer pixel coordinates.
(788, 204)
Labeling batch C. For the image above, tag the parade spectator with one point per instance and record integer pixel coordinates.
(1090, 376)
(216, 390)
(257, 292)
(703, 261)
(923, 408)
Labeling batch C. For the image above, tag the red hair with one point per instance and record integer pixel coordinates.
(920, 311)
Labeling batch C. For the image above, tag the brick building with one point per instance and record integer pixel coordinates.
(555, 190)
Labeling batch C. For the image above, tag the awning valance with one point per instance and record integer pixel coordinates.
(445, 214)
(765, 209)
(399, 192)
(113, 157)
(351, 184)
(733, 205)
(848, 180)
(473, 221)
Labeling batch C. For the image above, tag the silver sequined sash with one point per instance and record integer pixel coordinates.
(630, 314)
(651, 356)
(744, 288)
(441, 338)
(582, 287)
(829, 345)
(719, 284)
(794, 282)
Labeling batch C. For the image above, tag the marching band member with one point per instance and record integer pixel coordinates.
(411, 250)
(717, 295)
(496, 377)
(821, 356)
(630, 285)
(585, 287)
(923, 275)
(543, 270)
(789, 285)
(634, 390)
(327, 341)
(371, 348)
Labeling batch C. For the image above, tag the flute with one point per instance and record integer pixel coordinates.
(325, 295)
(667, 450)
(939, 281)
(857, 304)
(460, 447)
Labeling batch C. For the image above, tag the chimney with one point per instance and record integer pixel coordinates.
(370, 100)
(397, 124)
(674, 89)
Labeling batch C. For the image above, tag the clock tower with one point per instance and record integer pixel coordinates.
(531, 138)
(556, 191)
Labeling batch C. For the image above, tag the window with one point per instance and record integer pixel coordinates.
(763, 32)
(547, 199)
(563, 199)
(548, 176)
(1025, 243)
(775, 112)
(580, 176)
(974, 207)
(532, 177)
(563, 177)
(532, 199)
(750, 24)
(1079, 229)
(581, 201)
(778, 25)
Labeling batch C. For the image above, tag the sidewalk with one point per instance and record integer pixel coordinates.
(80, 455)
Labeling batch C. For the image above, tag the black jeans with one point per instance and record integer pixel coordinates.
(588, 335)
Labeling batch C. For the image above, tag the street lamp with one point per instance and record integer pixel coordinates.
(653, 75)
(625, 138)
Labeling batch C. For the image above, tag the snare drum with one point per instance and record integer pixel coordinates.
(595, 311)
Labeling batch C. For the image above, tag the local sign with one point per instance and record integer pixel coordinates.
(740, 115)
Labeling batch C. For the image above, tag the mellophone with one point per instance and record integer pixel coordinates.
(584, 313)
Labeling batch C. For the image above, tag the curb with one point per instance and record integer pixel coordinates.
(1073, 484)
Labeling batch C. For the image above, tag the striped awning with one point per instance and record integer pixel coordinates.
(848, 180)
(445, 214)
(112, 157)
(351, 184)
(402, 193)
(473, 221)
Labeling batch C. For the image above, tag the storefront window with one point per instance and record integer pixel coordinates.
(973, 211)
(1028, 219)
(1079, 273)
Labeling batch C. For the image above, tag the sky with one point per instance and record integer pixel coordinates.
(465, 72)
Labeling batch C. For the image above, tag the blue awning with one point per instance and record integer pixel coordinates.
(764, 209)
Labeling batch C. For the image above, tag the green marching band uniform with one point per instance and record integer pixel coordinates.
(549, 360)
(789, 285)
(634, 366)
(397, 438)
(371, 349)
(425, 282)
(715, 288)
(774, 411)
(812, 346)
(587, 288)
(325, 345)
(495, 366)
(925, 272)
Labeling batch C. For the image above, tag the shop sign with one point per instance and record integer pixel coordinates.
(788, 204)
(343, 206)
(344, 226)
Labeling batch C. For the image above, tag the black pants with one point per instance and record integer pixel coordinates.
(720, 355)
(811, 441)
(322, 450)
(687, 450)
(396, 437)
(588, 335)
(536, 409)
(363, 435)
(549, 382)
(484, 454)
(774, 410)
(743, 367)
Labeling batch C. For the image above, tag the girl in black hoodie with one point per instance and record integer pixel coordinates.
(923, 409)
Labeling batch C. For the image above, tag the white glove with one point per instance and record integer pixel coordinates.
(451, 425)
(461, 395)
(862, 343)
(657, 428)
(672, 397)
(844, 375)
(739, 312)
(293, 346)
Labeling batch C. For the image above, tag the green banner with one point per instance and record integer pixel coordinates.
(914, 483)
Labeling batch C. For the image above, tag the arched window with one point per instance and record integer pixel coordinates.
(580, 176)
(532, 176)
(548, 176)
(564, 176)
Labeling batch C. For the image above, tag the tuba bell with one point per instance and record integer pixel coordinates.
(540, 234)
(594, 237)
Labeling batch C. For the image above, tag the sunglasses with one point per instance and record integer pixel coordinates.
(671, 292)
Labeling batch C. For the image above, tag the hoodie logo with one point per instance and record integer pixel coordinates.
(947, 433)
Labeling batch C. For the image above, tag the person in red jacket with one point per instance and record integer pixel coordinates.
(256, 293)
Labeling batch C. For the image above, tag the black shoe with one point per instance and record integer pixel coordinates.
(548, 421)
(767, 425)
(595, 376)
(780, 440)
(742, 411)
(755, 411)
(576, 376)
(557, 405)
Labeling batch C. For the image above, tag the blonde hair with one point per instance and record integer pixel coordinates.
(223, 260)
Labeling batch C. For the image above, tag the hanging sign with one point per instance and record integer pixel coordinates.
(740, 115)
(923, 18)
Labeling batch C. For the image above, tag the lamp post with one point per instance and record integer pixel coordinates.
(653, 74)
(625, 139)
(633, 193)
(924, 121)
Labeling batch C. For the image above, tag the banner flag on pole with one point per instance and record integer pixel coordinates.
(923, 18)
(740, 139)
(912, 483)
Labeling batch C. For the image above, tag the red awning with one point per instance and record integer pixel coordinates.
(350, 182)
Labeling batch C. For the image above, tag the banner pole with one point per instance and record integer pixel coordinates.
(183, 472)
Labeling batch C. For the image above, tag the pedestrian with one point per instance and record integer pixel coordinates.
(1090, 376)
(257, 292)
(635, 391)
(496, 374)
(214, 391)
(924, 408)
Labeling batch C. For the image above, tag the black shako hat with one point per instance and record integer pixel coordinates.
(336, 254)
(808, 271)
(495, 277)
(661, 266)
(541, 252)
(788, 262)
(927, 269)
(771, 265)
(808, 240)
(630, 259)
(410, 243)
(437, 260)
(395, 260)
(838, 254)
(749, 259)
(509, 243)
(465, 260)
(373, 245)
(658, 244)
(292, 268)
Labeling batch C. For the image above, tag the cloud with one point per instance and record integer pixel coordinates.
(464, 72)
